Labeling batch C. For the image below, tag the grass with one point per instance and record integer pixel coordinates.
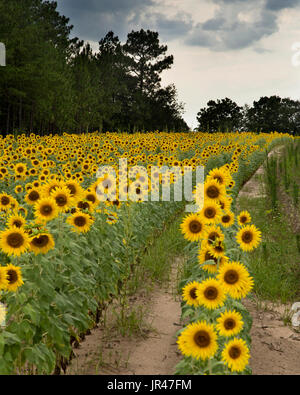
(155, 265)
(275, 265)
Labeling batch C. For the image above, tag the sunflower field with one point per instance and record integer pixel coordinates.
(69, 240)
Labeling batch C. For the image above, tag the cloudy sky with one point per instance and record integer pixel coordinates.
(241, 49)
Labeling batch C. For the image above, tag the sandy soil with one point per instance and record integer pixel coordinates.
(151, 352)
(275, 348)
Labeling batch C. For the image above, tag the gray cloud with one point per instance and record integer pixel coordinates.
(228, 30)
(92, 19)
(236, 24)
(276, 5)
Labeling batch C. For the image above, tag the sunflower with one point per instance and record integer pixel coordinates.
(32, 196)
(248, 237)
(14, 277)
(229, 323)
(236, 354)
(75, 189)
(218, 248)
(20, 168)
(91, 197)
(16, 220)
(18, 189)
(213, 233)
(81, 222)
(193, 227)
(198, 340)
(42, 243)
(210, 294)
(227, 219)
(189, 293)
(14, 241)
(235, 279)
(211, 212)
(3, 278)
(46, 209)
(62, 197)
(213, 190)
(5, 201)
(50, 187)
(244, 218)
(220, 175)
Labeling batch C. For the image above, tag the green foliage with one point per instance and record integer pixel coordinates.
(63, 289)
(52, 83)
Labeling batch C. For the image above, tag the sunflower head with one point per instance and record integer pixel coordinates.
(248, 237)
(193, 227)
(14, 277)
(41, 243)
(198, 340)
(236, 354)
(14, 241)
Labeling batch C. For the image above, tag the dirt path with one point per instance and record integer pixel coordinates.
(275, 348)
(152, 351)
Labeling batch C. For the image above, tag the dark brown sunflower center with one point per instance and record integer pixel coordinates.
(218, 247)
(225, 219)
(243, 219)
(12, 276)
(212, 192)
(231, 277)
(33, 196)
(46, 209)
(91, 198)
(17, 223)
(5, 200)
(40, 241)
(229, 324)
(193, 293)
(195, 226)
(20, 169)
(83, 205)
(15, 240)
(80, 221)
(202, 339)
(61, 200)
(210, 212)
(247, 237)
(234, 352)
(211, 293)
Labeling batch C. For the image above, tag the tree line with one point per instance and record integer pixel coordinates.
(55, 83)
(268, 114)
